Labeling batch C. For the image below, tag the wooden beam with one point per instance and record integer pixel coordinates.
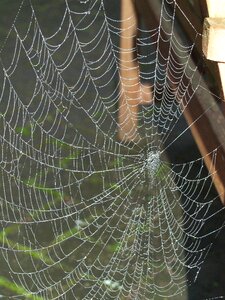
(213, 42)
(214, 37)
(216, 8)
(186, 16)
(197, 9)
(207, 124)
(133, 92)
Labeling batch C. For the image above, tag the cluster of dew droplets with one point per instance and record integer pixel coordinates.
(152, 162)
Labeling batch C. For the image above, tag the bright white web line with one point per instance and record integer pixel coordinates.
(85, 215)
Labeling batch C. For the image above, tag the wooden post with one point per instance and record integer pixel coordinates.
(216, 8)
(133, 92)
(213, 41)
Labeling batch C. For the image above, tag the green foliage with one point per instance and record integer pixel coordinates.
(116, 247)
(15, 245)
(162, 171)
(24, 131)
(13, 287)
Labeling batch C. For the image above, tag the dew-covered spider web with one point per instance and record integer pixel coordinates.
(91, 207)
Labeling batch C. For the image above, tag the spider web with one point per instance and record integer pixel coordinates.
(85, 214)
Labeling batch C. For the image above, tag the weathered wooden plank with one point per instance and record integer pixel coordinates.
(213, 42)
(214, 37)
(216, 8)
